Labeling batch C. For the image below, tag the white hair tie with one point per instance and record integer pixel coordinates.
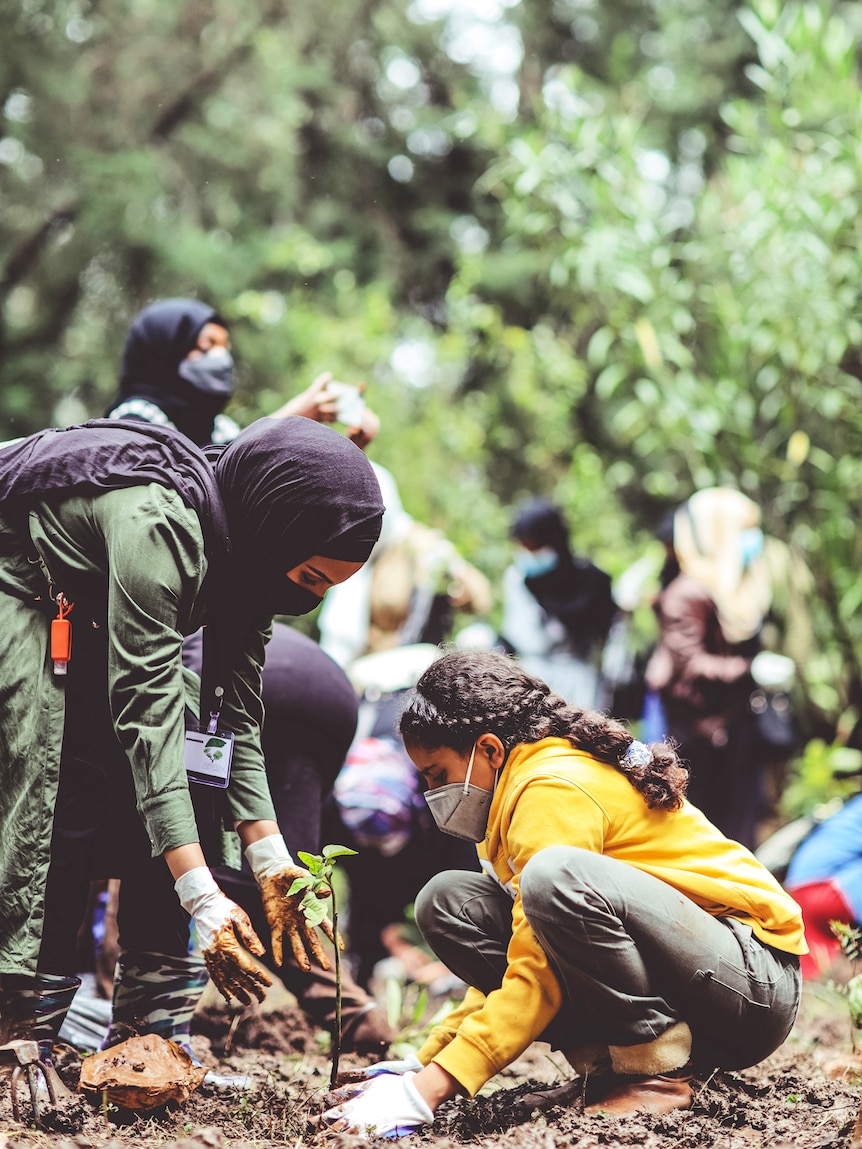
(637, 754)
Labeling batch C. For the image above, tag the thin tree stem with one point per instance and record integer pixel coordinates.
(336, 1037)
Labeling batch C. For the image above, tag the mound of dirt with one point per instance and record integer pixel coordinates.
(805, 1096)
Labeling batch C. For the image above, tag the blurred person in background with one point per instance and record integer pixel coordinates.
(415, 583)
(177, 370)
(825, 877)
(557, 607)
(384, 630)
(716, 595)
(788, 629)
(310, 720)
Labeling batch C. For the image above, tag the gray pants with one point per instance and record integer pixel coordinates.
(633, 956)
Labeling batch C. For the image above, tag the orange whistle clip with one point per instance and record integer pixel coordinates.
(61, 635)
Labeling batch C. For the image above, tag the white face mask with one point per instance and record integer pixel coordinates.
(460, 809)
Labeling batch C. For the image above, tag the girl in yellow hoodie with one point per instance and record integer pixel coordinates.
(612, 919)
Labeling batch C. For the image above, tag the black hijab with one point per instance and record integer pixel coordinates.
(293, 488)
(159, 339)
(576, 592)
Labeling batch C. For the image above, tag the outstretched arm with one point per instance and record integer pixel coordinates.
(319, 403)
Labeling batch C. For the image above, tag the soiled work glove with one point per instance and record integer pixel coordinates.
(275, 872)
(223, 929)
(388, 1106)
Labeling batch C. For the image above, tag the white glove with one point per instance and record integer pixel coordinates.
(773, 670)
(410, 1064)
(225, 935)
(200, 896)
(268, 856)
(388, 1106)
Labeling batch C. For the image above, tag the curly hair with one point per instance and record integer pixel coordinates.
(469, 693)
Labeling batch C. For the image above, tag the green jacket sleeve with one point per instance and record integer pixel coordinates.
(154, 569)
(144, 548)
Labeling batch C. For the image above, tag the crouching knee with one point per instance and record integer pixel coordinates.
(553, 869)
(437, 901)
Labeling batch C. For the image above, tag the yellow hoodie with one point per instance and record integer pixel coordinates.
(550, 794)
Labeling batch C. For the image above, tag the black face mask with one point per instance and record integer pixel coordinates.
(210, 374)
(295, 600)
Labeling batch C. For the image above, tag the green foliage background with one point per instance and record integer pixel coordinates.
(616, 265)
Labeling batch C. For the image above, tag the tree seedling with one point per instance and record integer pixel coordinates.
(319, 879)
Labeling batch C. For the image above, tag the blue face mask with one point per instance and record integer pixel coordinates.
(751, 545)
(531, 564)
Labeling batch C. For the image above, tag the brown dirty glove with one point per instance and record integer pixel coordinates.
(275, 872)
(225, 935)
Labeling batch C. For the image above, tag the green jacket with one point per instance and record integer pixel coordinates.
(133, 561)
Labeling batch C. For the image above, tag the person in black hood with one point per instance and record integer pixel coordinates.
(133, 531)
(279, 508)
(557, 606)
(177, 370)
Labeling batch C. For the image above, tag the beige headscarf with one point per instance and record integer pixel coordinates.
(707, 539)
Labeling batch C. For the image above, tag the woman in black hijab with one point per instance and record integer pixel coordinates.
(557, 606)
(280, 508)
(177, 371)
(112, 524)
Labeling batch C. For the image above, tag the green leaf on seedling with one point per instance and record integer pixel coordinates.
(314, 863)
(330, 852)
(314, 910)
(297, 885)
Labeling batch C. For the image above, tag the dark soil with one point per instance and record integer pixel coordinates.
(805, 1096)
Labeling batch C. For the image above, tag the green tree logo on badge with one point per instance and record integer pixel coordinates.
(214, 748)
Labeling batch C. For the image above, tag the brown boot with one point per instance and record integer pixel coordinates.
(659, 1094)
(649, 1077)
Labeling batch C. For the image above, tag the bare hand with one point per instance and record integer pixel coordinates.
(366, 431)
(312, 403)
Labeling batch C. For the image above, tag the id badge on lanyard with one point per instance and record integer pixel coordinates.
(208, 752)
